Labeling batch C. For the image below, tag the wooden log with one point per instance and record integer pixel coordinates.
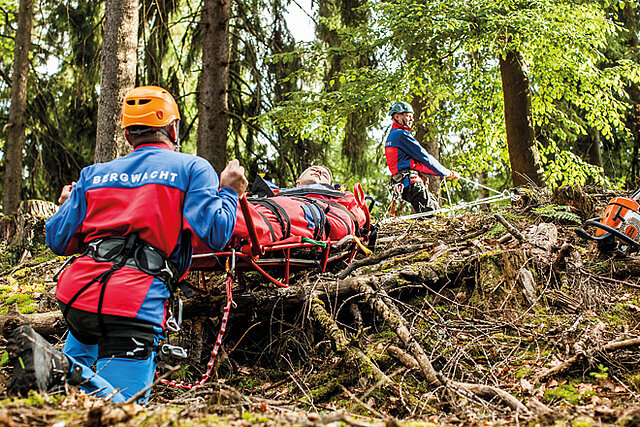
(382, 256)
(48, 324)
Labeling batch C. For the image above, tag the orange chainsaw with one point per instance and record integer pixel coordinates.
(619, 227)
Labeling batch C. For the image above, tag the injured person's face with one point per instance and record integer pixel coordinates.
(315, 175)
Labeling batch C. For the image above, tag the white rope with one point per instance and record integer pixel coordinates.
(446, 188)
(487, 200)
(476, 183)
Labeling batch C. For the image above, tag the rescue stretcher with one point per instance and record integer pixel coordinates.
(256, 247)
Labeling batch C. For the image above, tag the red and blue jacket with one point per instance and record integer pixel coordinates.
(403, 152)
(171, 200)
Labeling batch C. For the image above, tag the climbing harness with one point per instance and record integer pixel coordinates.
(499, 196)
(619, 227)
(133, 252)
(129, 251)
(230, 267)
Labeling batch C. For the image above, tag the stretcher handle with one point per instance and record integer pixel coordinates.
(610, 231)
(256, 249)
(358, 192)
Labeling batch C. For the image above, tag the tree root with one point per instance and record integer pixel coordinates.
(342, 344)
(392, 315)
(382, 256)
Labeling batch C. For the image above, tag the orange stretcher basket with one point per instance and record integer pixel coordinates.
(277, 260)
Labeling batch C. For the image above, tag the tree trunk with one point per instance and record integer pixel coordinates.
(356, 140)
(118, 76)
(15, 127)
(213, 121)
(595, 154)
(526, 167)
(635, 161)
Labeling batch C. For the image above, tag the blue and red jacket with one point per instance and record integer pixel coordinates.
(403, 152)
(161, 195)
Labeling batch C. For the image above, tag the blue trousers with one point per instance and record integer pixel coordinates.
(116, 378)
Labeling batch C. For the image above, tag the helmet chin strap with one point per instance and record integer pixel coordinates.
(174, 136)
(402, 123)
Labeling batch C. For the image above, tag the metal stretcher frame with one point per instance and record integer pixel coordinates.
(276, 255)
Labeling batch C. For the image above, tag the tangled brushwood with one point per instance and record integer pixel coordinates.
(504, 315)
(501, 313)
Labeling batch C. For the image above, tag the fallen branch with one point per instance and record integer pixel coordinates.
(382, 256)
(377, 300)
(510, 228)
(396, 321)
(567, 364)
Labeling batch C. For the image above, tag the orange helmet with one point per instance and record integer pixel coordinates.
(149, 106)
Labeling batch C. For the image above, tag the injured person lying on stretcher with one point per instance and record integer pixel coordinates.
(314, 223)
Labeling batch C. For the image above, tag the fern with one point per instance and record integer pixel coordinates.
(559, 213)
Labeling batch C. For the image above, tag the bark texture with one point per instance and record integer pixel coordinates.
(526, 167)
(15, 127)
(118, 76)
(213, 120)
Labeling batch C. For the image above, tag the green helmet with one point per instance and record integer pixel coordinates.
(400, 107)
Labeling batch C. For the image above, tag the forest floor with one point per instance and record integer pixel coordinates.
(500, 317)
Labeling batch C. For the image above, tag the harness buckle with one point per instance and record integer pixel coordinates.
(174, 351)
(135, 253)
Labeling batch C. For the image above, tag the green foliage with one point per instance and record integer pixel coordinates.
(295, 104)
(560, 213)
(601, 374)
(450, 59)
(565, 168)
(565, 392)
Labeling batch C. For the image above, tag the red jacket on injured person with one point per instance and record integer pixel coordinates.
(316, 211)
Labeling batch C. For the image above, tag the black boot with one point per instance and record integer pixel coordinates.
(37, 365)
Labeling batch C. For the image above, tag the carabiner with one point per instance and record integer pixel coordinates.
(62, 267)
(231, 268)
(174, 351)
(172, 324)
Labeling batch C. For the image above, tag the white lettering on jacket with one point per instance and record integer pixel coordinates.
(156, 175)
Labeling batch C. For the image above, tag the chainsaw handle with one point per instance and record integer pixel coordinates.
(609, 231)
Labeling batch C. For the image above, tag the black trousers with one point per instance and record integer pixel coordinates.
(123, 334)
(417, 193)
